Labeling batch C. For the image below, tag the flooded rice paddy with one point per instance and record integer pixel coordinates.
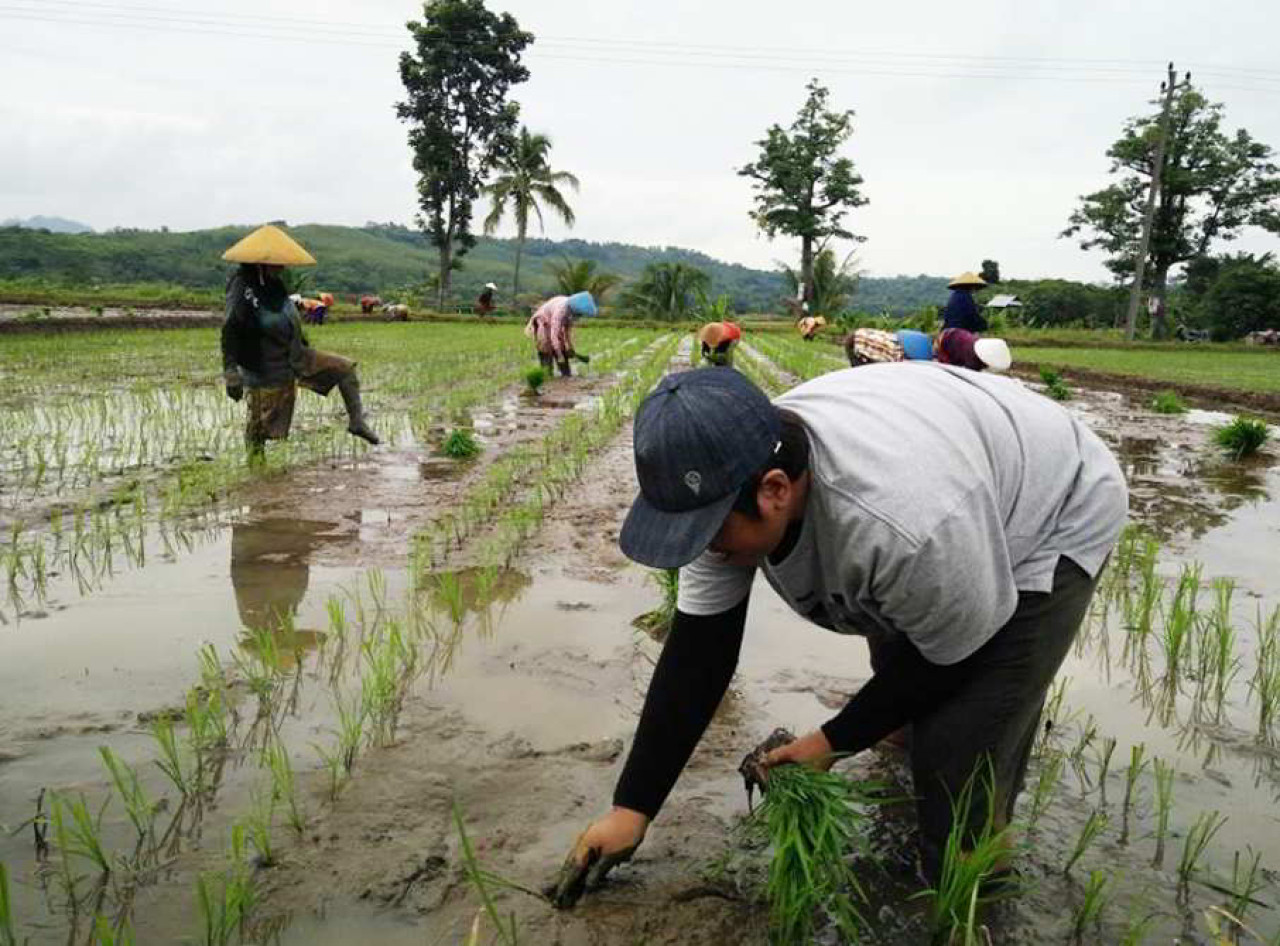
(338, 658)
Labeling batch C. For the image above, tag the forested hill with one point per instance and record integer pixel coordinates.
(388, 259)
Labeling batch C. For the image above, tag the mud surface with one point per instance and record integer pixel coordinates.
(522, 731)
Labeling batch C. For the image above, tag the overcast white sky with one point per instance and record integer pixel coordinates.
(977, 125)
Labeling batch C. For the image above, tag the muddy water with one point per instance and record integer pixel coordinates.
(523, 725)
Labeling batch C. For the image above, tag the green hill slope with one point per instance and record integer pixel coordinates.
(388, 259)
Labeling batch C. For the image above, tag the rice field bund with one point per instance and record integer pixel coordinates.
(371, 694)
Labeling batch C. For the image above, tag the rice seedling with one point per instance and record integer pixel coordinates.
(1180, 620)
(341, 762)
(1164, 804)
(1046, 786)
(1247, 879)
(390, 665)
(1168, 402)
(1052, 716)
(1242, 437)
(1079, 764)
(78, 831)
(225, 899)
(1131, 776)
(657, 622)
(283, 787)
(1093, 901)
(139, 808)
(972, 859)
(461, 444)
(104, 933)
(1093, 826)
(1105, 753)
(1265, 684)
(7, 935)
(1054, 386)
(1138, 922)
(482, 880)
(255, 829)
(1197, 839)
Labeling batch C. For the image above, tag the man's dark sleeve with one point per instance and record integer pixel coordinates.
(905, 687)
(691, 678)
(234, 324)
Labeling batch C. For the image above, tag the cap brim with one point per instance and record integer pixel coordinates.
(660, 539)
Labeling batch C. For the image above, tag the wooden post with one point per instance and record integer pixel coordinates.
(1149, 215)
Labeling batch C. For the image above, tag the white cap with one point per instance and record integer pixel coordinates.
(296, 298)
(490, 285)
(994, 353)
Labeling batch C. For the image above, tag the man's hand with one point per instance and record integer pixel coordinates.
(812, 749)
(235, 391)
(608, 842)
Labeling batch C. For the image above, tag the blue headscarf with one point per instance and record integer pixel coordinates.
(916, 346)
(581, 303)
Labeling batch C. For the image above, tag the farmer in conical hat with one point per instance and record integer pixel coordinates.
(961, 311)
(264, 349)
(551, 329)
(484, 304)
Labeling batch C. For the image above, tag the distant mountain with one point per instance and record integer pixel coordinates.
(52, 224)
(395, 260)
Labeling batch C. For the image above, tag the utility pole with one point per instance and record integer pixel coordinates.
(1149, 215)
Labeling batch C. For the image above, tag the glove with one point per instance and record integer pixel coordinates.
(587, 865)
(235, 391)
(753, 768)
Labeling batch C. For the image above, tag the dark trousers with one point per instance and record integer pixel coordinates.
(994, 717)
(548, 360)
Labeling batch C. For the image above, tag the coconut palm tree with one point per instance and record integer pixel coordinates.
(834, 282)
(524, 179)
(581, 276)
(666, 290)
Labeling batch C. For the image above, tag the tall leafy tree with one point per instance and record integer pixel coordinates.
(582, 276)
(666, 290)
(803, 187)
(1212, 185)
(990, 272)
(461, 124)
(525, 178)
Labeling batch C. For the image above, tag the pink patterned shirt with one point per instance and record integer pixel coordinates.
(551, 328)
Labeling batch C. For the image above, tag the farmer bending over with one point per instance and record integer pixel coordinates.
(264, 349)
(717, 340)
(956, 520)
(551, 329)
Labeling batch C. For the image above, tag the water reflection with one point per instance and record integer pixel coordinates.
(270, 573)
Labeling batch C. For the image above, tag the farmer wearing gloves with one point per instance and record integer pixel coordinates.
(264, 349)
(961, 311)
(551, 329)
(955, 519)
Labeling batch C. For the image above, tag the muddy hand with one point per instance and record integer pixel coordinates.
(606, 844)
(754, 767)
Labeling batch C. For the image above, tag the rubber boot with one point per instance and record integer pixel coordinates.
(349, 388)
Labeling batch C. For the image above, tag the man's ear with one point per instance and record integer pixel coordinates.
(774, 490)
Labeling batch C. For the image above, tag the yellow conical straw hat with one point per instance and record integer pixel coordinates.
(967, 281)
(269, 245)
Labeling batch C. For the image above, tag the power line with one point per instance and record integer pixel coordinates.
(636, 53)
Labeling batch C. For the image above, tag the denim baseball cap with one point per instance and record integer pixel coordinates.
(698, 438)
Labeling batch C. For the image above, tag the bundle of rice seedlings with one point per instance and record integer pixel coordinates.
(812, 819)
(1242, 437)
